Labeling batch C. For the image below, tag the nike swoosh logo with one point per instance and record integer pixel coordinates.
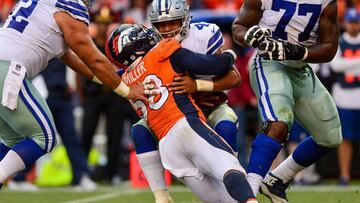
(213, 30)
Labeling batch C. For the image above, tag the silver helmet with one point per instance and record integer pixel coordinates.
(169, 10)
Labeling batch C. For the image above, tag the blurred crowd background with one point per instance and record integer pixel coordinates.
(94, 123)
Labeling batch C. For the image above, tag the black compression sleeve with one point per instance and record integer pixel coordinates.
(185, 60)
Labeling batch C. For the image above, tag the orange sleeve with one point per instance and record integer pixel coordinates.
(167, 47)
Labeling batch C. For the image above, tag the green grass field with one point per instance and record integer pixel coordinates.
(124, 194)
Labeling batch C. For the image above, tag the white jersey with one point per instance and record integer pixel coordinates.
(203, 38)
(32, 37)
(295, 21)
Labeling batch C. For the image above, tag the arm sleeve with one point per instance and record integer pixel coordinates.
(340, 64)
(185, 60)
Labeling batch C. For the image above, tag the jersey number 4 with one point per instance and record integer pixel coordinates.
(290, 8)
(20, 13)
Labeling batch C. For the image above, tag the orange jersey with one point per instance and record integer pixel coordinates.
(167, 108)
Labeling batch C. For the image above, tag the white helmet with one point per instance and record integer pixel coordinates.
(169, 10)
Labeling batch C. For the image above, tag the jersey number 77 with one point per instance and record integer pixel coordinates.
(290, 9)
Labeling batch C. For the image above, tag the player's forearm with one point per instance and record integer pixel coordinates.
(186, 60)
(230, 80)
(239, 32)
(74, 62)
(321, 53)
(249, 15)
(325, 50)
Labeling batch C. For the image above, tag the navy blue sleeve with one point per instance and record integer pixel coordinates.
(185, 60)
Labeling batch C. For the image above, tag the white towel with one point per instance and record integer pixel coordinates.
(12, 85)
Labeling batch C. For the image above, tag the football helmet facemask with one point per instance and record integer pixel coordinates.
(170, 10)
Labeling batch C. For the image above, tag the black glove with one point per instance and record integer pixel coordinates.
(255, 35)
(280, 50)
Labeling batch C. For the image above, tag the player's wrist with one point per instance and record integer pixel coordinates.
(305, 54)
(96, 80)
(122, 89)
(298, 52)
(204, 85)
(231, 52)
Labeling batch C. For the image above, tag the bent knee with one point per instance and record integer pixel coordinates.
(47, 141)
(143, 138)
(331, 139)
(277, 130)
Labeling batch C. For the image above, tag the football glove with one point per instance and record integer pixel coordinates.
(280, 50)
(255, 35)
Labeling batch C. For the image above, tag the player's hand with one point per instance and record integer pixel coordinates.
(183, 85)
(207, 101)
(255, 35)
(150, 88)
(279, 50)
(142, 91)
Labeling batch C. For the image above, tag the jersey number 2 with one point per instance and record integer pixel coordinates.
(22, 11)
(290, 8)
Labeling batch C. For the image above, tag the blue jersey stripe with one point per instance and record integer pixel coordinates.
(214, 38)
(216, 47)
(48, 120)
(185, 105)
(208, 134)
(267, 91)
(260, 91)
(73, 11)
(74, 5)
(37, 118)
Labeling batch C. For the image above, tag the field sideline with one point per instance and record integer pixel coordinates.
(124, 194)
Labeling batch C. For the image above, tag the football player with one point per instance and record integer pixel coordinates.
(171, 19)
(188, 147)
(35, 32)
(289, 34)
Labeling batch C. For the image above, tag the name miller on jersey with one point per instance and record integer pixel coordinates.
(134, 74)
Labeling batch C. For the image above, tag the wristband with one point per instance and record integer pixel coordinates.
(122, 90)
(305, 55)
(96, 80)
(232, 52)
(204, 85)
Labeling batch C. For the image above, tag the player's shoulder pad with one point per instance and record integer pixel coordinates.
(166, 48)
(208, 35)
(75, 8)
